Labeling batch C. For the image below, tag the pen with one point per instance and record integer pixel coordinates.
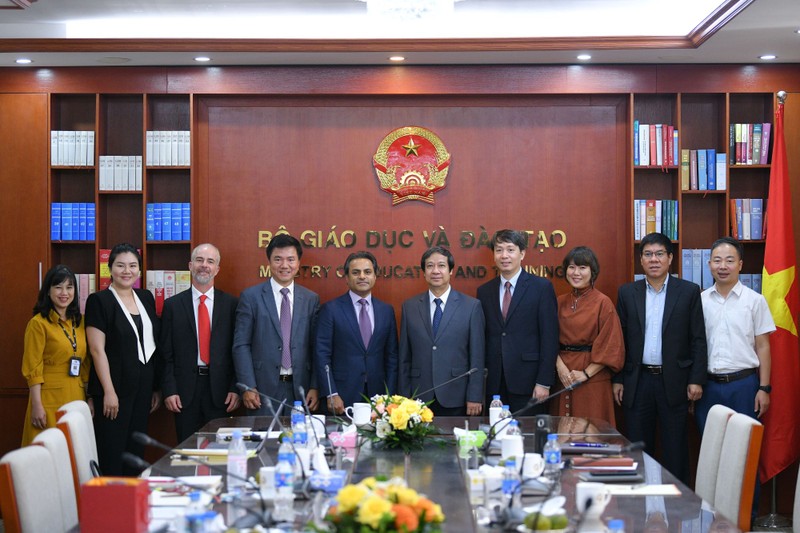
(588, 444)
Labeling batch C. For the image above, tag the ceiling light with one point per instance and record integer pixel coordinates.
(584, 57)
(24, 61)
(397, 58)
(202, 59)
(768, 57)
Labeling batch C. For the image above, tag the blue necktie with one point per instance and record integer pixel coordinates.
(437, 316)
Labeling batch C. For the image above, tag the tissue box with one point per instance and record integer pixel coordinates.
(345, 440)
(329, 483)
(116, 504)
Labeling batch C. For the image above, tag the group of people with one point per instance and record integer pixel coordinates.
(210, 352)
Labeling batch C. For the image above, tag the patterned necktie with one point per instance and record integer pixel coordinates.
(204, 330)
(363, 322)
(286, 330)
(506, 300)
(437, 316)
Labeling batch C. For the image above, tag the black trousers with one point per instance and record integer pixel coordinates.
(199, 411)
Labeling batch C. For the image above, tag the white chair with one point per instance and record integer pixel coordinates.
(736, 480)
(56, 443)
(81, 407)
(710, 450)
(29, 493)
(81, 450)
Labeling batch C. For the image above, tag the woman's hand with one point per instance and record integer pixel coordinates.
(155, 401)
(110, 405)
(38, 416)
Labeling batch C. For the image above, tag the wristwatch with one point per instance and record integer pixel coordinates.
(765, 388)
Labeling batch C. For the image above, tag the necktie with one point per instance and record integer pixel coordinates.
(437, 316)
(204, 330)
(286, 330)
(363, 322)
(506, 300)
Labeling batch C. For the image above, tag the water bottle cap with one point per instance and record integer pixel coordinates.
(616, 524)
(237, 433)
(496, 397)
(506, 408)
(194, 496)
(552, 436)
(513, 423)
(511, 462)
(298, 403)
(285, 439)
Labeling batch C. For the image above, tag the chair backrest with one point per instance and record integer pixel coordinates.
(81, 407)
(81, 446)
(796, 518)
(710, 450)
(736, 482)
(28, 490)
(56, 443)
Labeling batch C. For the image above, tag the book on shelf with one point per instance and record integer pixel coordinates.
(72, 221)
(747, 218)
(686, 264)
(168, 221)
(675, 146)
(756, 219)
(105, 272)
(655, 216)
(167, 148)
(653, 144)
(702, 170)
(757, 283)
(749, 143)
(766, 129)
(165, 284)
(183, 281)
(71, 148)
(636, 143)
(55, 221)
(746, 279)
(721, 172)
(659, 145)
(746, 228)
(755, 156)
(86, 286)
(708, 281)
(644, 144)
(711, 168)
(697, 266)
(693, 183)
(685, 183)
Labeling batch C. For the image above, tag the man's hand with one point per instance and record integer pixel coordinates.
(312, 399)
(540, 393)
(474, 408)
(616, 390)
(173, 403)
(762, 403)
(336, 405)
(251, 399)
(232, 401)
(694, 392)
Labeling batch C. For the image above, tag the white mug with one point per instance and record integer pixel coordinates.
(595, 494)
(533, 465)
(359, 413)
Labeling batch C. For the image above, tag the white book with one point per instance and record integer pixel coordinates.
(187, 148)
(132, 173)
(181, 160)
(148, 148)
(644, 144)
(159, 277)
(54, 148)
(659, 146)
(80, 154)
(643, 218)
(183, 281)
(169, 284)
(62, 148)
(163, 148)
(722, 171)
(92, 283)
(90, 148)
(150, 281)
(120, 175)
(697, 266)
(71, 147)
(103, 173)
(138, 173)
(637, 233)
(659, 207)
(174, 142)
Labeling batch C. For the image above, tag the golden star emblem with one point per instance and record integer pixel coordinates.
(775, 288)
(411, 148)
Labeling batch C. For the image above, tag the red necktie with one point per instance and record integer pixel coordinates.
(506, 300)
(204, 330)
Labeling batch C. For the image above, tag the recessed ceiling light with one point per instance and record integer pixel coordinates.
(768, 57)
(397, 58)
(24, 61)
(584, 57)
(202, 59)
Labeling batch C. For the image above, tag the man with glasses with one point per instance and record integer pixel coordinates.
(738, 325)
(665, 355)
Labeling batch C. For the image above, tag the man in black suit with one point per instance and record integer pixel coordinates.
(199, 381)
(521, 327)
(665, 355)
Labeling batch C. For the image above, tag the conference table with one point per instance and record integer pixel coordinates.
(439, 471)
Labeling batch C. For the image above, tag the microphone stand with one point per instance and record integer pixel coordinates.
(281, 403)
(416, 395)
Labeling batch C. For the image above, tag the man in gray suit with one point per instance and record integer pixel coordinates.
(273, 338)
(442, 337)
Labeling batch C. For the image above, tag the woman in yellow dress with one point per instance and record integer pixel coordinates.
(54, 362)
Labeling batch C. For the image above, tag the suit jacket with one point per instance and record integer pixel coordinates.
(426, 361)
(527, 341)
(683, 338)
(257, 341)
(179, 347)
(339, 345)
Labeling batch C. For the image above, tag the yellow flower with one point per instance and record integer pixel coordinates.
(350, 496)
(426, 415)
(404, 495)
(372, 510)
(398, 399)
(399, 419)
(410, 406)
(368, 482)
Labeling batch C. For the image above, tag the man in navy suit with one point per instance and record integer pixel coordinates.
(441, 338)
(521, 327)
(199, 383)
(665, 355)
(273, 340)
(356, 348)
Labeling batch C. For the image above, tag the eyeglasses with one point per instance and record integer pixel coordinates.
(661, 254)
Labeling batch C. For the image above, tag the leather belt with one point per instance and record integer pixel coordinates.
(285, 377)
(733, 376)
(202, 371)
(652, 369)
(575, 348)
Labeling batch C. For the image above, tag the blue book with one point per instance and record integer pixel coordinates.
(66, 221)
(697, 266)
(76, 221)
(739, 220)
(757, 283)
(702, 171)
(81, 221)
(747, 280)
(158, 234)
(756, 218)
(711, 166)
(166, 221)
(708, 280)
(675, 218)
(91, 221)
(686, 264)
(721, 171)
(177, 221)
(186, 221)
(676, 156)
(150, 223)
(635, 142)
(55, 221)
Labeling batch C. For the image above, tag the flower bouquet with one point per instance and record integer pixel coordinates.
(385, 506)
(398, 422)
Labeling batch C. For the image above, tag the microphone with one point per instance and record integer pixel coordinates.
(460, 376)
(308, 413)
(268, 399)
(328, 376)
(291, 443)
(264, 518)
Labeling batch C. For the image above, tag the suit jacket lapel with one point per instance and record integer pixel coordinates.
(188, 308)
(269, 304)
(424, 307)
(672, 289)
(453, 303)
(349, 312)
(523, 283)
(639, 299)
(494, 308)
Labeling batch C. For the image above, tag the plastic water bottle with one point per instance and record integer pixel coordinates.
(512, 443)
(511, 483)
(552, 457)
(616, 526)
(513, 429)
(502, 423)
(494, 409)
(237, 463)
(286, 452)
(299, 430)
(192, 515)
(284, 487)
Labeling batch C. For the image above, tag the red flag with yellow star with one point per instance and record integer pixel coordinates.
(781, 444)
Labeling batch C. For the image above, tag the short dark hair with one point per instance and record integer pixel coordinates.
(124, 248)
(583, 256)
(451, 262)
(56, 276)
(284, 240)
(733, 242)
(360, 255)
(519, 238)
(656, 238)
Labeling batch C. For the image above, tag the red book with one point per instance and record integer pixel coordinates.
(653, 153)
(671, 146)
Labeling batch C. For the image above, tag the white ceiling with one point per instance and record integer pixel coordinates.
(303, 32)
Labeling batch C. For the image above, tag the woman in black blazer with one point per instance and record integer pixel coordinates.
(121, 329)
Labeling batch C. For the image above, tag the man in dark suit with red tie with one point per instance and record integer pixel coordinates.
(665, 355)
(521, 327)
(356, 345)
(199, 382)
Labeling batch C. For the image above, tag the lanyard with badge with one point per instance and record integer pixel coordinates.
(74, 361)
